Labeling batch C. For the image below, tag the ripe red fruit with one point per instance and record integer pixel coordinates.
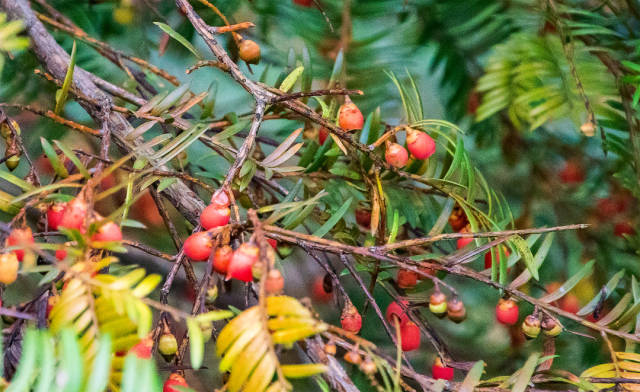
(406, 279)
(143, 348)
(220, 199)
(394, 310)
(20, 237)
(350, 319)
(463, 241)
(622, 228)
(108, 232)
(273, 243)
(54, 215)
(222, 258)
(363, 217)
(304, 3)
(438, 370)
(241, 262)
(350, 117)
(507, 312)
(213, 216)
(458, 218)
(488, 259)
(571, 173)
(74, 214)
(319, 291)
(275, 282)
(198, 246)
(61, 254)
(396, 155)
(174, 380)
(570, 303)
(420, 145)
(323, 133)
(409, 336)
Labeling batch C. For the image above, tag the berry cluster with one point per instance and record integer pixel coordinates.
(420, 145)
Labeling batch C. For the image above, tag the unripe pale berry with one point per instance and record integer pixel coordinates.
(488, 257)
(368, 366)
(174, 380)
(107, 233)
(220, 199)
(438, 304)
(350, 117)
(420, 145)
(213, 216)
(456, 311)
(353, 357)
(507, 312)
(406, 279)
(198, 246)
(396, 155)
(409, 336)
(222, 258)
(350, 319)
(531, 326)
(74, 214)
(322, 291)
(363, 217)
(54, 215)
(168, 345)
(274, 283)
(439, 371)
(20, 237)
(323, 133)
(143, 348)
(330, 348)
(8, 268)
(241, 262)
(249, 51)
(551, 327)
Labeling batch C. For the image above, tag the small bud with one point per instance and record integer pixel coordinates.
(531, 326)
(438, 304)
(368, 366)
(353, 357)
(274, 283)
(211, 295)
(330, 348)
(249, 51)
(168, 346)
(588, 129)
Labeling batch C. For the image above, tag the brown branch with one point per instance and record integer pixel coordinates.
(316, 93)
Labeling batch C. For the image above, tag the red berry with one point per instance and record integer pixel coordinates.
(396, 155)
(406, 279)
(570, 303)
(304, 3)
(507, 312)
(20, 237)
(54, 215)
(323, 133)
(174, 380)
(143, 348)
(243, 259)
(458, 218)
(438, 370)
(350, 319)
(198, 246)
(421, 145)
(363, 217)
(213, 216)
(220, 199)
(350, 117)
(74, 214)
(622, 228)
(394, 310)
(319, 291)
(572, 173)
(488, 259)
(108, 232)
(463, 241)
(409, 336)
(273, 243)
(61, 254)
(222, 258)
(274, 283)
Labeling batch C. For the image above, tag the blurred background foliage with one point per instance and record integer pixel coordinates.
(512, 74)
